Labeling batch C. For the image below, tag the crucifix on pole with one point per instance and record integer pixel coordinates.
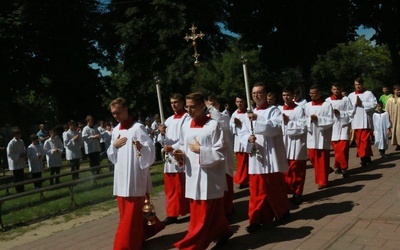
(193, 37)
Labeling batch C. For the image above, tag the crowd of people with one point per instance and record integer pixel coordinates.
(49, 148)
(271, 142)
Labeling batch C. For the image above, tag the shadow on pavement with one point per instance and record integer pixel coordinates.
(266, 235)
(325, 194)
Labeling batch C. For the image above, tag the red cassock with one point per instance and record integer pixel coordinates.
(268, 198)
(129, 233)
(363, 142)
(241, 176)
(296, 176)
(174, 187)
(341, 150)
(201, 232)
(319, 158)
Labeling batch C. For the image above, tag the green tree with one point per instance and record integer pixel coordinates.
(384, 17)
(291, 33)
(48, 47)
(146, 39)
(349, 60)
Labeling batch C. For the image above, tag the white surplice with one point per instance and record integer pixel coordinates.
(381, 126)
(205, 173)
(271, 156)
(341, 127)
(171, 138)
(362, 115)
(131, 172)
(236, 131)
(295, 133)
(319, 133)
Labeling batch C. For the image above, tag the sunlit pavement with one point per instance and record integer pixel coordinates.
(359, 212)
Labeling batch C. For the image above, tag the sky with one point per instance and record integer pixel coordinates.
(364, 31)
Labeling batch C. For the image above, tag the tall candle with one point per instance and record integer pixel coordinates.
(160, 107)
(246, 83)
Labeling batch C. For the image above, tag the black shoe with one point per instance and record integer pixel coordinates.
(253, 227)
(242, 186)
(345, 174)
(297, 199)
(397, 148)
(170, 220)
(224, 239)
(338, 171)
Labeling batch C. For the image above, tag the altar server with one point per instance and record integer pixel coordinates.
(201, 154)
(319, 134)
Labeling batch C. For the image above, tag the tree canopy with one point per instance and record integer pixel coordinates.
(52, 52)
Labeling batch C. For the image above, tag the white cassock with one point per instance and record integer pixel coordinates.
(223, 120)
(295, 133)
(381, 125)
(53, 158)
(236, 131)
(35, 163)
(341, 127)
(173, 131)
(132, 173)
(14, 149)
(72, 147)
(271, 157)
(91, 144)
(362, 116)
(319, 133)
(205, 175)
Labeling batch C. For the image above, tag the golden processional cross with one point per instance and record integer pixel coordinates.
(193, 37)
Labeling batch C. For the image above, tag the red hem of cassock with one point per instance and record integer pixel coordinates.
(129, 234)
(363, 141)
(296, 176)
(268, 198)
(241, 176)
(319, 158)
(174, 188)
(228, 195)
(207, 223)
(341, 151)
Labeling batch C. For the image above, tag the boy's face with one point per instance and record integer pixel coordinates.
(379, 107)
(385, 90)
(397, 92)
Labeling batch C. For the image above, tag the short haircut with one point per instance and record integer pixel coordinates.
(260, 84)
(380, 103)
(197, 97)
(33, 137)
(16, 131)
(360, 80)
(213, 98)
(89, 117)
(337, 85)
(118, 101)
(71, 122)
(177, 96)
(315, 86)
(396, 87)
(288, 90)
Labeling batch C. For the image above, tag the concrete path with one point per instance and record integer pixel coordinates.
(360, 212)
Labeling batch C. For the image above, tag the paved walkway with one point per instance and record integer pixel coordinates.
(360, 212)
